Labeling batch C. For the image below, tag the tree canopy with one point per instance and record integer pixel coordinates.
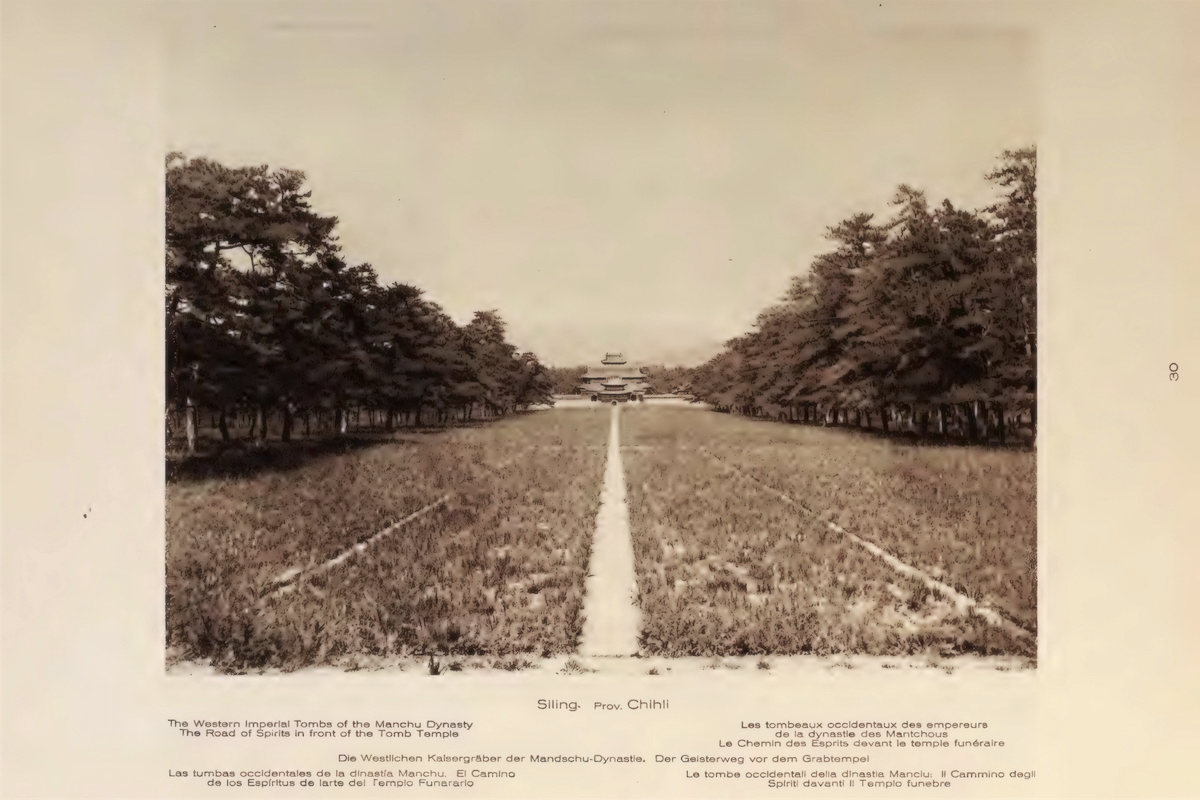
(263, 310)
(933, 308)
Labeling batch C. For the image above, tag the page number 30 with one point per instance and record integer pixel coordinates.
(1174, 371)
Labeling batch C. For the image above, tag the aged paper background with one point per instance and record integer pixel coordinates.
(1110, 710)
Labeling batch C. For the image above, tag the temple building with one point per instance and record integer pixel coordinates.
(615, 379)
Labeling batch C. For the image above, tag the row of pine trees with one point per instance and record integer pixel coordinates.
(925, 322)
(268, 322)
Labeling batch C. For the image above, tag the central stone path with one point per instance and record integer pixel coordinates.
(612, 618)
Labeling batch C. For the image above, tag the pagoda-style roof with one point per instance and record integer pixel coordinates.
(614, 375)
(616, 371)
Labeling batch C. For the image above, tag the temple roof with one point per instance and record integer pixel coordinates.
(616, 371)
(615, 366)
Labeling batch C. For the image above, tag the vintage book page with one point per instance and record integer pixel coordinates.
(600, 399)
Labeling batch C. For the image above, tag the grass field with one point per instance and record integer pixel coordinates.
(727, 568)
(498, 568)
(493, 564)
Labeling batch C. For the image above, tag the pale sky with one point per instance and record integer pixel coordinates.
(634, 176)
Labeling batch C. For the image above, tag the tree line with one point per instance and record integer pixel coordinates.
(925, 322)
(267, 319)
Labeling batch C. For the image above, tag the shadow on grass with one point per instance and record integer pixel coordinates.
(242, 459)
(1020, 440)
(238, 458)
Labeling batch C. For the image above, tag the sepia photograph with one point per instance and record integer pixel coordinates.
(597, 337)
(599, 398)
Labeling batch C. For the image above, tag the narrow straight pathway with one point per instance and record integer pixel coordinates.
(612, 619)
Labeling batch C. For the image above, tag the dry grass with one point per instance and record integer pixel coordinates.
(726, 568)
(966, 516)
(499, 569)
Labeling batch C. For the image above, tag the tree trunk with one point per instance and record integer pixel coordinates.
(339, 421)
(262, 424)
(883, 418)
(223, 425)
(972, 427)
(253, 423)
(1001, 427)
(867, 418)
(942, 420)
(190, 413)
(287, 422)
(924, 415)
(981, 421)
